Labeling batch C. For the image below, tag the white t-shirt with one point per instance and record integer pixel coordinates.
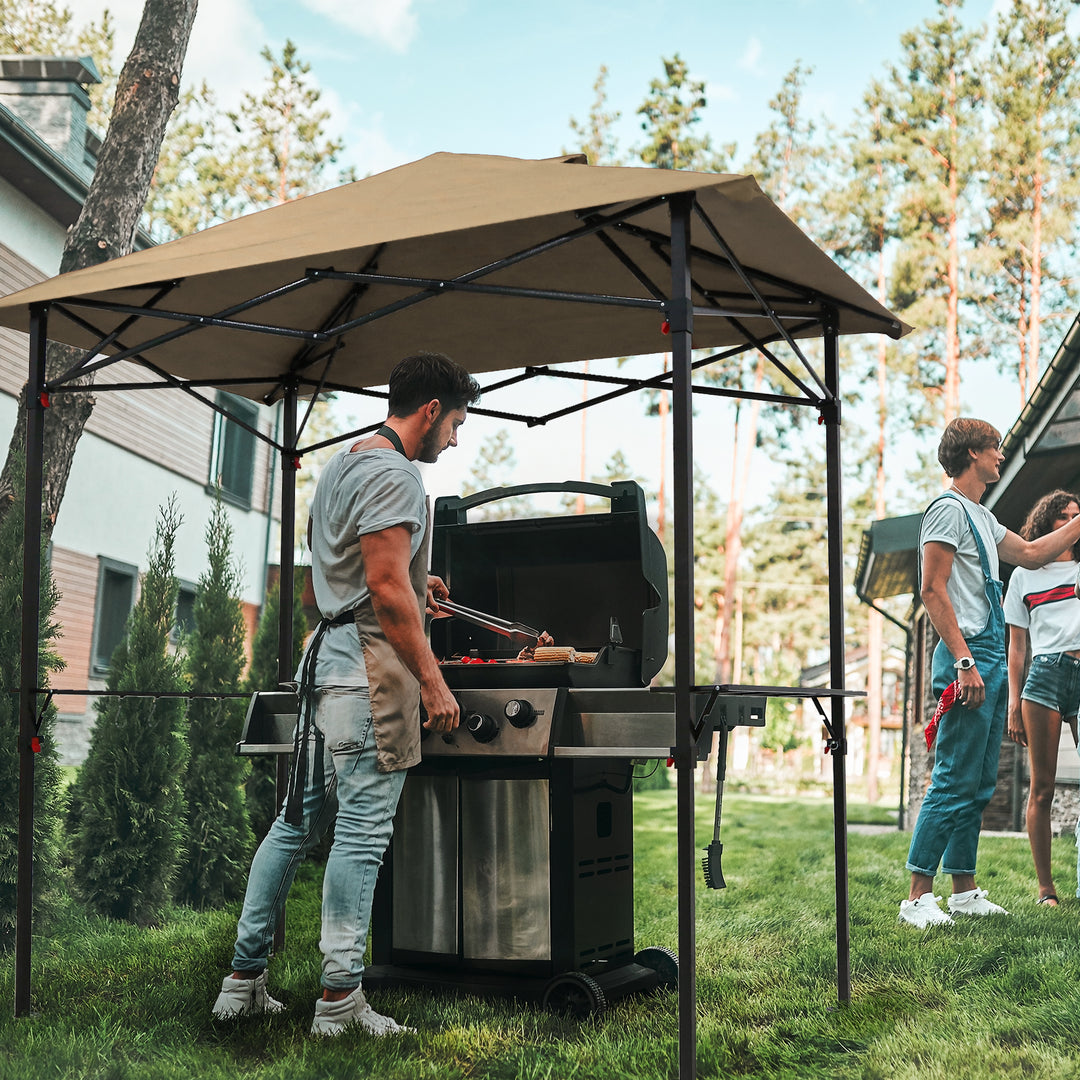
(1044, 603)
(945, 522)
(358, 493)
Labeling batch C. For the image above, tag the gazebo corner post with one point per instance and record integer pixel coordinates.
(290, 463)
(837, 650)
(681, 327)
(29, 650)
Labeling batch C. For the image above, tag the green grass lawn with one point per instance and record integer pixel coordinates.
(986, 998)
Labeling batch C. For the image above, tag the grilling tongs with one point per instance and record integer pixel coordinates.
(489, 622)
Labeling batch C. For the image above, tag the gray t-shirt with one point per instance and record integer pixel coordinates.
(357, 494)
(946, 523)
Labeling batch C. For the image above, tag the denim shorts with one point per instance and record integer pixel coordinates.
(1054, 683)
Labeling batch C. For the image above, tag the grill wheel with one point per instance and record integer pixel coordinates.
(575, 994)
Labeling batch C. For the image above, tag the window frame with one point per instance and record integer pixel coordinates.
(227, 433)
(100, 668)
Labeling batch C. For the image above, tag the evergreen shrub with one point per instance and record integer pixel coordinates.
(128, 815)
(219, 838)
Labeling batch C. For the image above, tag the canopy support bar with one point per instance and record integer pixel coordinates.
(28, 656)
(831, 416)
(682, 340)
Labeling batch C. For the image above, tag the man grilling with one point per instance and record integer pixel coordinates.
(362, 678)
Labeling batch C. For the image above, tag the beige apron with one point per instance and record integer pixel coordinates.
(394, 690)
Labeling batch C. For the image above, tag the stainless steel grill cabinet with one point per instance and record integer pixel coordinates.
(511, 867)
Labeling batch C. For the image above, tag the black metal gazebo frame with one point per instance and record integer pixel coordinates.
(678, 306)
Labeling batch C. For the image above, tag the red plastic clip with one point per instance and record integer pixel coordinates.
(665, 327)
(35, 744)
(295, 464)
(44, 399)
(671, 763)
(821, 419)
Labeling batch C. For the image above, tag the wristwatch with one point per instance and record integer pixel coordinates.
(965, 663)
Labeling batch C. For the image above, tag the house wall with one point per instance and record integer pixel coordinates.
(138, 449)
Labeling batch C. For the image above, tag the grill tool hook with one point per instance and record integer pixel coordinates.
(710, 865)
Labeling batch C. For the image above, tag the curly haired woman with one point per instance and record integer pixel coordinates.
(1042, 604)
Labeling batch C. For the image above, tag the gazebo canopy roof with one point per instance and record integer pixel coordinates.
(344, 283)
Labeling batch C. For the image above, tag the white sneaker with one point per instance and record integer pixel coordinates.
(244, 997)
(333, 1017)
(923, 911)
(973, 903)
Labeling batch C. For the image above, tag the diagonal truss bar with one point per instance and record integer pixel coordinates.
(714, 232)
(196, 321)
(172, 335)
(501, 264)
(803, 293)
(80, 366)
(734, 319)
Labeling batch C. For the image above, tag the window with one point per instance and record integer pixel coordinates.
(232, 457)
(184, 620)
(115, 599)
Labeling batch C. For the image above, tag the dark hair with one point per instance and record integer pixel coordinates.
(964, 434)
(418, 379)
(1045, 512)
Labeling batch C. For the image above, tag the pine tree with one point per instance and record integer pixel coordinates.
(46, 767)
(219, 838)
(128, 811)
(930, 120)
(595, 137)
(494, 467)
(1032, 192)
(259, 790)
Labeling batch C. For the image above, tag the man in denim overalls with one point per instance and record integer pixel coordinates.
(960, 543)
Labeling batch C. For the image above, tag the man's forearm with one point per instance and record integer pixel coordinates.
(399, 618)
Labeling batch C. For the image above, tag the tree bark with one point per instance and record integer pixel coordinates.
(146, 94)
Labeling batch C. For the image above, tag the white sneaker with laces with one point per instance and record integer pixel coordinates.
(333, 1017)
(244, 997)
(923, 911)
(973, 903)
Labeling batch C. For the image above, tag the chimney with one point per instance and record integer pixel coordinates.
(47, 93)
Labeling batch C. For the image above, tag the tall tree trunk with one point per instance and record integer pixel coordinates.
(146, 94)
(952, 321)
(1036, 277)
(733, 529)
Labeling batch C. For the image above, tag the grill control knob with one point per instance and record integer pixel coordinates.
(481, 727)
(519, 712)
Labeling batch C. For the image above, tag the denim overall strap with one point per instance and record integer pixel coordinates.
(983, 558)
(988, 645)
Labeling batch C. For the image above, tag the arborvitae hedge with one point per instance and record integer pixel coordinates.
(219, 840)
(46, 768)
(263, 675)
(128, 811)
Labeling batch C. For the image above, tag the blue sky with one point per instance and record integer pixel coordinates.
(405, 78)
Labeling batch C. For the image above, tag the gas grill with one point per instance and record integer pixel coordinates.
(511, 867)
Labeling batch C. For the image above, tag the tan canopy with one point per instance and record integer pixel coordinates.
(447, 217)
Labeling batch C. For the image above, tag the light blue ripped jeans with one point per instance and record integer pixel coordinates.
(341, 778)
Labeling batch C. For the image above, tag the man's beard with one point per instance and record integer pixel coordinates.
(430, 447)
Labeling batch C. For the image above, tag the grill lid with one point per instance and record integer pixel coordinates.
(588, 579)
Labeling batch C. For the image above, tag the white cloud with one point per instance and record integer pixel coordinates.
(393, 22)
(751, 56)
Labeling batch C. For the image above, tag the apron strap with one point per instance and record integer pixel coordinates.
(294, 803)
